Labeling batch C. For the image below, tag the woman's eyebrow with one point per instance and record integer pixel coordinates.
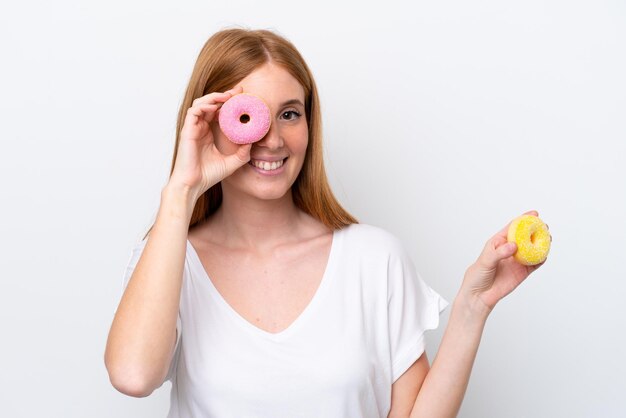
(292, 101)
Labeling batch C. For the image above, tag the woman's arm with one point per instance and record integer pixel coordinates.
(443, 396)
(143, 333)
(141, 340)
(493, 276)
(405, 389)
(445, 384)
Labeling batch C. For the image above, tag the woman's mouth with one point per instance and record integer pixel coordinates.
(267, 166)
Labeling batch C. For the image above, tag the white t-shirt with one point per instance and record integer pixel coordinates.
(363, 328)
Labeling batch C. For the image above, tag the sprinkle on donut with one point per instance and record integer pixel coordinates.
(532, 238)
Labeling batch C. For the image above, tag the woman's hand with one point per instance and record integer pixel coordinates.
(199, 164)
(495, 273)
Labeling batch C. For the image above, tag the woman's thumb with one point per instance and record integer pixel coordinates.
(506, 250)
(496, 250)
(239, 158)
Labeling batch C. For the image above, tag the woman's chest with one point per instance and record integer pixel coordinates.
(332, 355)
(269, 291)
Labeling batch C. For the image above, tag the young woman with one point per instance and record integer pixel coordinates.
(257, 295)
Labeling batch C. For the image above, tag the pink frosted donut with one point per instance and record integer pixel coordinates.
(244, 118)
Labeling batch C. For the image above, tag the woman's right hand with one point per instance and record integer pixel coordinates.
(199, 164)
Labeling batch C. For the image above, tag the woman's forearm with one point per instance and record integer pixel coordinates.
(443, 389)
(143, 332)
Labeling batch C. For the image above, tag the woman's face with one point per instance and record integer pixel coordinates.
(285, 142)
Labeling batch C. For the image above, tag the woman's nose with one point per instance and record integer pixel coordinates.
(272, 138)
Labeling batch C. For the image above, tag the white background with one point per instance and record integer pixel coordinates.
(443, 121)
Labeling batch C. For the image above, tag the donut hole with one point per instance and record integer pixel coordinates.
(533, 237)
(245, 118)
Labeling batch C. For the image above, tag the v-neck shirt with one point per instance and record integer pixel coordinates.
(362, 329)
(197, 265)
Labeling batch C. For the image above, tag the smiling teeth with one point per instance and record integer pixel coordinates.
(267, 166)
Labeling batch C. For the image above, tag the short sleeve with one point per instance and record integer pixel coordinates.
(413, 308)
(130, 267)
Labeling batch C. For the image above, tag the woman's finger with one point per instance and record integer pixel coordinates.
(208, 105)
(194, 119)
(235, 90)
(530, 269)
(218, 97)
(206, 111)
(212, 98)
(202, 109)
(496, 249)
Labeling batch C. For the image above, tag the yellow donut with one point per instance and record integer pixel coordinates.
(532, 238)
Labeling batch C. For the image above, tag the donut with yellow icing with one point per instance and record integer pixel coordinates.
(532, 238)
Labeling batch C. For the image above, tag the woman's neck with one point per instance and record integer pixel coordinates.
(248, 222)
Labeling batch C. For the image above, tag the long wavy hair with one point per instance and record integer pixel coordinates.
(228, 57)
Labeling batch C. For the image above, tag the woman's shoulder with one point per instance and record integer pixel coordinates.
(371, 238)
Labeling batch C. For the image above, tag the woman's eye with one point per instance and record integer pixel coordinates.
(290, 115)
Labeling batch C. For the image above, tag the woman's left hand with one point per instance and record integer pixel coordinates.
(495, 273)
